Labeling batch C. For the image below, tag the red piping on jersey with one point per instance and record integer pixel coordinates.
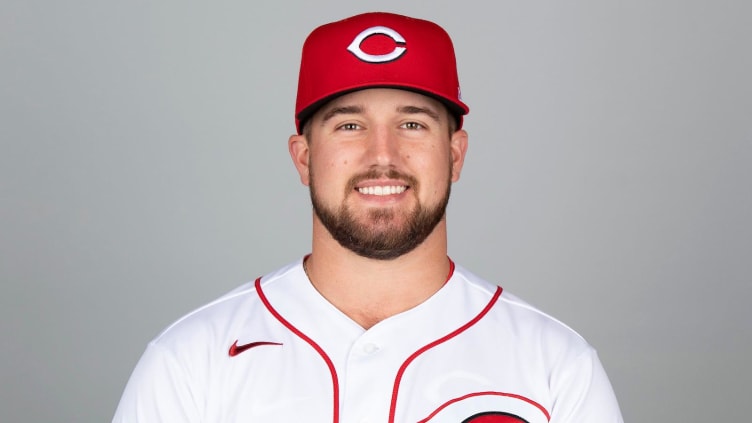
(451, 271)
(400, 373)
(478, 394)
(296, 331)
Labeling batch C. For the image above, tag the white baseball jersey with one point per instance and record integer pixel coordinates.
(276, 351)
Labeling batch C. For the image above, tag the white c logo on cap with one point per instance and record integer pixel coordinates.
(398, 51)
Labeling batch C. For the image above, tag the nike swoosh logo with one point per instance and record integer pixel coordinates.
(236, 349)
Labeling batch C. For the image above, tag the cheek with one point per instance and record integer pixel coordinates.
(434, 179)
(437, 165)
(330, 174)
(335, 159)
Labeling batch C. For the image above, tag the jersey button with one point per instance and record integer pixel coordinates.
(370, 348)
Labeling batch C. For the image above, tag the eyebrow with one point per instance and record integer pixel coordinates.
(420, 110)
(357, 109)
(343, 110)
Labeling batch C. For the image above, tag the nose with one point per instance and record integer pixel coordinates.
(383, 147)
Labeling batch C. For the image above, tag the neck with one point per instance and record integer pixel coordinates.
(369, 290)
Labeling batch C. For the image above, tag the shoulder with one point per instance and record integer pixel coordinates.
(224, 317)
(512, 316)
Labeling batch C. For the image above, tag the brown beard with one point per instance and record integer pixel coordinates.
(390, 242)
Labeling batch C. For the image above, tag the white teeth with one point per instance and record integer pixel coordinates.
(387, 190)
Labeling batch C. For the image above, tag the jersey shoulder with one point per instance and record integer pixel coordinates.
(233, 312)
(515, 316)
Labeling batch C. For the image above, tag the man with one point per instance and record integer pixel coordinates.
(376, 324)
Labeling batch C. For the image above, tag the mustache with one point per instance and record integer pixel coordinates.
(379, 174)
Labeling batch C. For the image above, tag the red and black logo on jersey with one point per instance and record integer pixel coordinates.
(494, 417)
(489, 407)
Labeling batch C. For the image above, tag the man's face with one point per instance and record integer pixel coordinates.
(380, 166)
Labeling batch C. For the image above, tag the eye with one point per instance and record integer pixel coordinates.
(412, 125)
(348, 127)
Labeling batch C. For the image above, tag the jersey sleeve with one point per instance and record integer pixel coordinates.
(159, 390)
(584, 393)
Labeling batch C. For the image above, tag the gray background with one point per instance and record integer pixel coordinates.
(144, 172)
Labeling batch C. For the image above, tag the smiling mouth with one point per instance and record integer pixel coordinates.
(383, 190)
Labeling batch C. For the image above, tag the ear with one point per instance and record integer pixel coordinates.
(299, 152)
(458, 147)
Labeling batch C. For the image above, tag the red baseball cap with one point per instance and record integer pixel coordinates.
(377, 50)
